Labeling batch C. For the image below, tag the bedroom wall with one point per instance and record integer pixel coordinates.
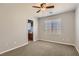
(13, 25)
(35, 29)
(77, 28)
(67, 32)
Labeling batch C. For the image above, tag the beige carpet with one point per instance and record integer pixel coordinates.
(43, 48)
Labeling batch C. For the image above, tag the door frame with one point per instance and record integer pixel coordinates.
(35, 28)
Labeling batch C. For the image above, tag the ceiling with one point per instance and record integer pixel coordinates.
(59, 8)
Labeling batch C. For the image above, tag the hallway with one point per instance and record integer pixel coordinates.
(43, 48)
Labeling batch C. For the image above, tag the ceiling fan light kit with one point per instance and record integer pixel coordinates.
(43, 7)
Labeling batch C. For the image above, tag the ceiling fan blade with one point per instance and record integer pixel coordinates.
(36, 6)
(38, 11)
(50, 7)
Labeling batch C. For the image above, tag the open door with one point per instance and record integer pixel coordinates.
(30, 30)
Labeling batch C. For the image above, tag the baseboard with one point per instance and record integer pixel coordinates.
(13, 48)
(41, 40)
(58, 42)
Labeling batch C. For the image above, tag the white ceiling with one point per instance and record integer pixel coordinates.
(59, 8)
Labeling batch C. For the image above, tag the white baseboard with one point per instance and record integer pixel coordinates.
(37, 40)
(62, 43)
(13, 48)
(59, 42)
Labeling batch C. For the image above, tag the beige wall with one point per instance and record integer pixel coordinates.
(13, 25)
(35, 29)
(67, 32)
(77, 28)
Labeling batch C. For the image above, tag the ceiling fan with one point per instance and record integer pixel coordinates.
(43, 6)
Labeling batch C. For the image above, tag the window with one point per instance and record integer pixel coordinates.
(53, 26)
